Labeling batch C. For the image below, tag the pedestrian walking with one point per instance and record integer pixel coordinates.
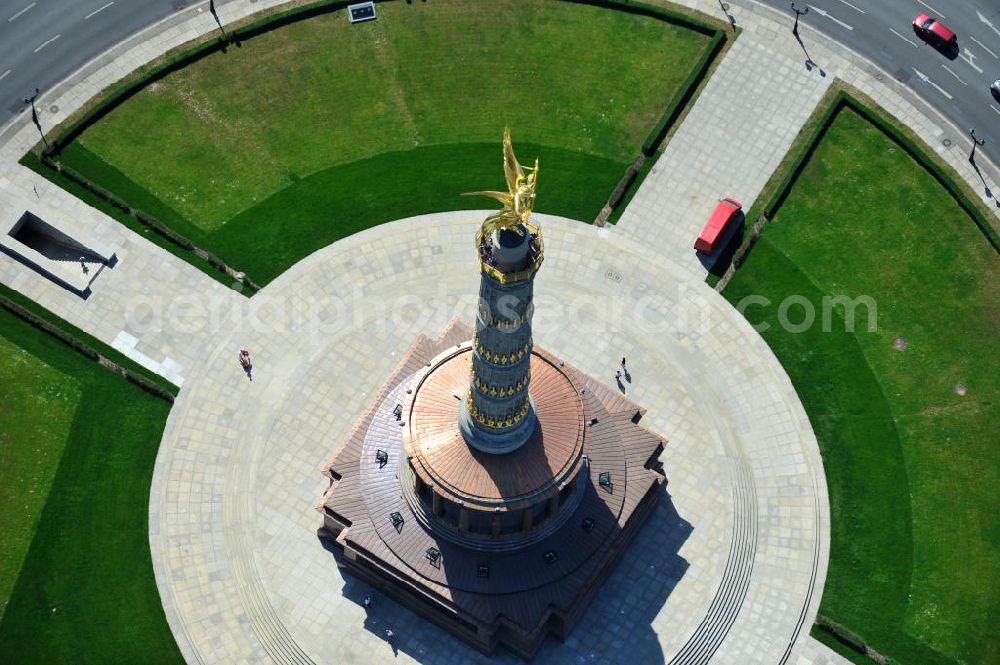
(389, 635)
(623, 362)
(246, 363)
(368, 602)
(618, 376)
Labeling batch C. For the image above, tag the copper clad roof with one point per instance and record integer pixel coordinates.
(441, 456)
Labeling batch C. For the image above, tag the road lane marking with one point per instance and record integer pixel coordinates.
(21, 12)
(902, 37)
(826, 14)
(855, 8)
(939, 14)
(98, 11)
(923, 77)
(970, 58)
(983, 19)
(991, 106)
(948, 69)
(983, 46)
(4, 75)
(47, 42)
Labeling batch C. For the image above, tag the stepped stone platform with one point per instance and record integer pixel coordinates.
(728, 567)
(533, 532)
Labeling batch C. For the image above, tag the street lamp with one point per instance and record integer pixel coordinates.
(34, 117)
(975, 143)
(729, 17)
(215, 15)
(798, 13)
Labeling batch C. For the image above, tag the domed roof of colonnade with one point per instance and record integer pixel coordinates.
(440, 452)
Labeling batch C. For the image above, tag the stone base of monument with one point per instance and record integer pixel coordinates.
(497, 549)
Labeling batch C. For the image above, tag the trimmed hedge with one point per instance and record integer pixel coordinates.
(780, 184)
(851, 640)
(117, 212)
(144, 76)
(148, 220)
(684, 94)
(31, 312)
(941, 172)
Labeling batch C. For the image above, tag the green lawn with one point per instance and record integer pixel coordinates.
(37, 405)
(77, 447)
(912, 466)
(318, 129)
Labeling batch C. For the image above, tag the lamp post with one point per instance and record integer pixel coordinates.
(975, 143)
(729, 17)
(798, 13)
(215, 15)
(34, 117)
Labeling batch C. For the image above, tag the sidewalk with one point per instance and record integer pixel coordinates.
(730, 142)
(747, 117)
(155, 308)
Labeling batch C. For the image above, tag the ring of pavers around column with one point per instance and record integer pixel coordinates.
(730, 567)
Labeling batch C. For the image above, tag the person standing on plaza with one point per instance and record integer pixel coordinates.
(245, 363)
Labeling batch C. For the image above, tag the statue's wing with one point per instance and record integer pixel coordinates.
(511, 169)
(503, 197)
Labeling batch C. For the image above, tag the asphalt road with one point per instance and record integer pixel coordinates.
(43, 41)
(882, 31)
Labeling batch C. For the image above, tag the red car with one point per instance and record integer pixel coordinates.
(933, 30)
(722, 217)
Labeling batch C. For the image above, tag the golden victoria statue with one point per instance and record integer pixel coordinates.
(519, 200)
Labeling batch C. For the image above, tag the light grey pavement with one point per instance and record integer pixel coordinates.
(44, 41)
(242, 576)
(731, 565)
(142, 306)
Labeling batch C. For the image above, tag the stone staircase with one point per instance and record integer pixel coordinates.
(728, 600)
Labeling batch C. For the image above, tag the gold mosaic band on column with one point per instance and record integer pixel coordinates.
(494, 391)
(504, 359)
(494, 423)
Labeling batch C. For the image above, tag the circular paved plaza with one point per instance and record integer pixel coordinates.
(730, 567)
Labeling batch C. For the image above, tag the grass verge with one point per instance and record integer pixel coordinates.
(85, 591)
(910, 463)
(226, 158)
(37, 410)
(266, 239)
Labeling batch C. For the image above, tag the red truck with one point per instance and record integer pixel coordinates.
(724, 214)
